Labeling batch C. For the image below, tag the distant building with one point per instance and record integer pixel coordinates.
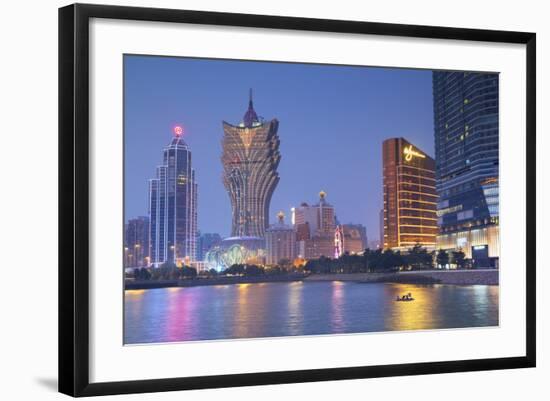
(315, 227)
(206, 242)
(466, 118)
(410, 197)
(136, 242)
(250, 158)
(355, 238)
(302, 231)
(306, 221)
(319, 218)
(327, 217)
(316, 247)
(280, 242)
(173, 206)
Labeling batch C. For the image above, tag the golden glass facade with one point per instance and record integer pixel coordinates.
(410, 197)
(250, 158)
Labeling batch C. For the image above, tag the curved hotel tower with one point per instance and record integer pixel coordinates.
(250, 158)
(173, 206)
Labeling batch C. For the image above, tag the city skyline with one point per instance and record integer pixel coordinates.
(356, 124)
(342, 149)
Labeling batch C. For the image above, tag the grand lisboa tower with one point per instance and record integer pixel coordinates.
(250, 158)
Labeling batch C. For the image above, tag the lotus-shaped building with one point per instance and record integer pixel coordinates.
(250, 158)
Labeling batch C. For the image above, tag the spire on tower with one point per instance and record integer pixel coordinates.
(250, 117)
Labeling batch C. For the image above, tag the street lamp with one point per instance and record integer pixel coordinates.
(137, 253)
(126, 256)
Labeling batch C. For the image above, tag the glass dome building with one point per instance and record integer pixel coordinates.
(236, 250)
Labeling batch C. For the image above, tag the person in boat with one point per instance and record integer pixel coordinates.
(407, 297)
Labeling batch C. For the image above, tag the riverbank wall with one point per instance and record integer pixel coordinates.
(455, 277)
(225, 280)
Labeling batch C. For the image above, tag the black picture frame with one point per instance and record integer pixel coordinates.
(74, 198)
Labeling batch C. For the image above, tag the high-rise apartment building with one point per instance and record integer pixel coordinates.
(410, 196)
(319, 218)
(136, 242)
(315, 228)
(466, 124)
(173, 206)
(355, 238)
(280, 241)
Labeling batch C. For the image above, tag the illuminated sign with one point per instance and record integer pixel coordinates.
(409, 153)
(447, 210)
(338, 242)
(178, 130)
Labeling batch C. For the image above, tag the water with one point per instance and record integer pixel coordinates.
(296, 308)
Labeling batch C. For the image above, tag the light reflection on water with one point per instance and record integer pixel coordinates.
(297, 308)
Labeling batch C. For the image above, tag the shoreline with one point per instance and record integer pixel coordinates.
(450, 277)
(199, 282)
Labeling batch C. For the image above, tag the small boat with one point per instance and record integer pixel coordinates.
(404, 298)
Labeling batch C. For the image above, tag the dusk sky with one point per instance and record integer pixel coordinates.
(332, 121)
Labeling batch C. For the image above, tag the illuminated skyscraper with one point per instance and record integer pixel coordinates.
(173, 206)
(410, 197)
(250, 158)
(467, 154)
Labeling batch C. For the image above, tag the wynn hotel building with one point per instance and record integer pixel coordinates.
(410, 197)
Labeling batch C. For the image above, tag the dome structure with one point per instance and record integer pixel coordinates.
(236, 250)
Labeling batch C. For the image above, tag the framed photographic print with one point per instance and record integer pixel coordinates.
(250, 199)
